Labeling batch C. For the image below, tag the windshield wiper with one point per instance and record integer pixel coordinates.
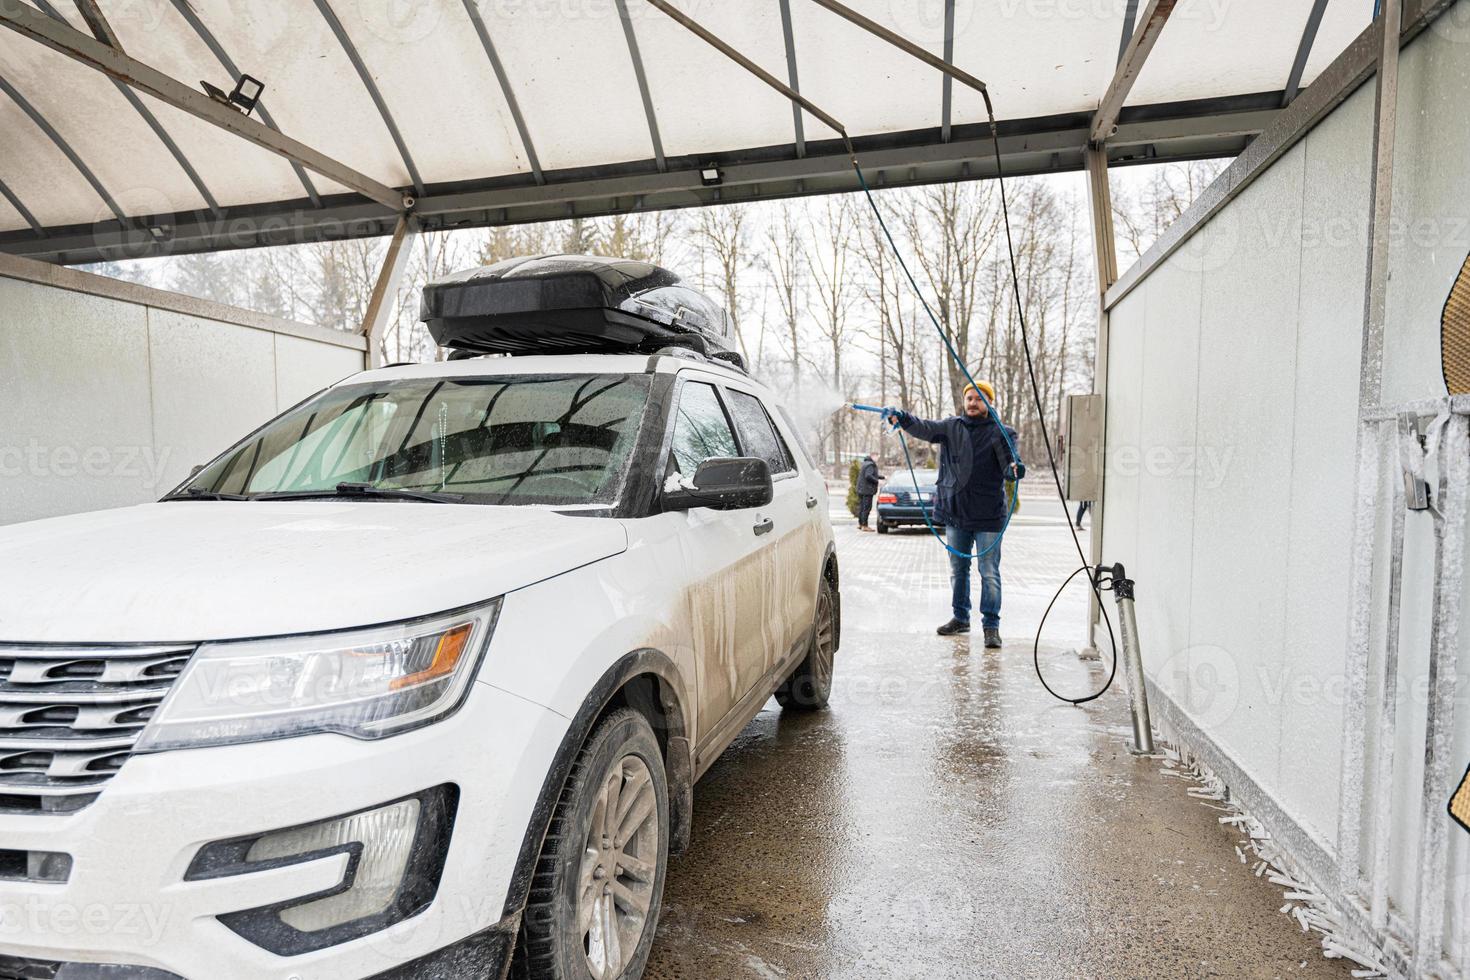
(349, 490)
(199, 493)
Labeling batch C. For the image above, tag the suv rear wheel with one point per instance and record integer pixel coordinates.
(599, 882)
(810, 686)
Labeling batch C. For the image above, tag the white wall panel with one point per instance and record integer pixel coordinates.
(1325, 395)
(1248, 361)
(108, 400)
(75, 420)
(1168, 454)
(304, 367)
(1431, 203)
(212, 384)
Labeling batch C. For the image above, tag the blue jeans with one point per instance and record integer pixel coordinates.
(959, 574)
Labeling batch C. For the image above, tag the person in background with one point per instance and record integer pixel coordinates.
(1083, 506)
(868, 481)
(975, 461)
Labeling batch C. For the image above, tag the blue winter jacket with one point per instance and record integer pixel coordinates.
(974, 463)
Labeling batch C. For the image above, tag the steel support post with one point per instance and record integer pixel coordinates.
(1105, 252)
(1354, 807)
(380, 303)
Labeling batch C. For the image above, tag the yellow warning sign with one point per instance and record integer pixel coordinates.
(1460, 802)
(1454, 334)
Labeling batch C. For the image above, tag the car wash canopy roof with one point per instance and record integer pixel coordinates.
(507, 111)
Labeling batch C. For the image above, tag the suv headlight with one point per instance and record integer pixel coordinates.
(366, 683)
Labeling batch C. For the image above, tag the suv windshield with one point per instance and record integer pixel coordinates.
(559, 440)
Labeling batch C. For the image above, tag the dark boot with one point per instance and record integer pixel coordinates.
(953, 627)
(992, 639)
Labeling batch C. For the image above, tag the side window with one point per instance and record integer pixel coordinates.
(760, 436)
(700, 429)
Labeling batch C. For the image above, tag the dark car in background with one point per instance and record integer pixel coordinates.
(903, 499)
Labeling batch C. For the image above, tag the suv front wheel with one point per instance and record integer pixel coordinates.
(599, 882)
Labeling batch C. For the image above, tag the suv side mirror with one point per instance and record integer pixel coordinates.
(724, 483)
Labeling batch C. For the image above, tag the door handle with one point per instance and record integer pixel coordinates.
(810, 501)
(763, 527)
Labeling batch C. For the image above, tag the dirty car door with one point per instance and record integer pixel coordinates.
(790, 564)
(723, 557)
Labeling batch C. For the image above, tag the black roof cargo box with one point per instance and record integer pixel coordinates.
(549, 304)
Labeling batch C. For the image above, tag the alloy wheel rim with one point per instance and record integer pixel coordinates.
(824, 642)
(619, 865)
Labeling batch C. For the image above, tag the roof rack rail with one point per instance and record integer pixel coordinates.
(730, 359)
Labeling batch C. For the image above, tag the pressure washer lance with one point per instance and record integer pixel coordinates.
(1122, 589)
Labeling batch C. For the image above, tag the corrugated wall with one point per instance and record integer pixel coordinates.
(110, 392)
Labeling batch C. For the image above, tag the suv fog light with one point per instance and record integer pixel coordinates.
(384, 838)
(396, 855)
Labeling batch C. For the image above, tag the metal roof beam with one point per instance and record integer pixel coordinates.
(97, 23)
(1130, 19)
(55, 137)
(207, 36)
(151, 120)
(1105, 120)
(1048, 144)
(790, 38)
(708, 37)
(658, 143)
(905, 45)
(471, 7)
(366, 77)
(947, 92)
(1303, 51)
(32, 23)
(25, 212)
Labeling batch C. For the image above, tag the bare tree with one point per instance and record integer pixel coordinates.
(1141, 214)
(950, 227)
(720, 236)
(784, 264)
(829, 260)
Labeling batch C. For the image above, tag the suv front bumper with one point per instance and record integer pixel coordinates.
(127, 901)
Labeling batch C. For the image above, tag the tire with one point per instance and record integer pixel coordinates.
(810, 686)
(883, 527)
(553, 945)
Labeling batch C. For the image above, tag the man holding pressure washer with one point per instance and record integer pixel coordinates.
(975, 461)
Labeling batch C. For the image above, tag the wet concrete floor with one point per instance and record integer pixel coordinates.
(946, 818)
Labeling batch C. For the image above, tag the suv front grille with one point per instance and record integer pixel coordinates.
(69, 716)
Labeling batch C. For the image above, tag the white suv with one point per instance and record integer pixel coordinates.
(413, 681)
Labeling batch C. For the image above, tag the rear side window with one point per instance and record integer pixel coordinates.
(760, 436)
(701, 430)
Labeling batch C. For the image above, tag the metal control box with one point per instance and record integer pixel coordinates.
(1082, 467)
